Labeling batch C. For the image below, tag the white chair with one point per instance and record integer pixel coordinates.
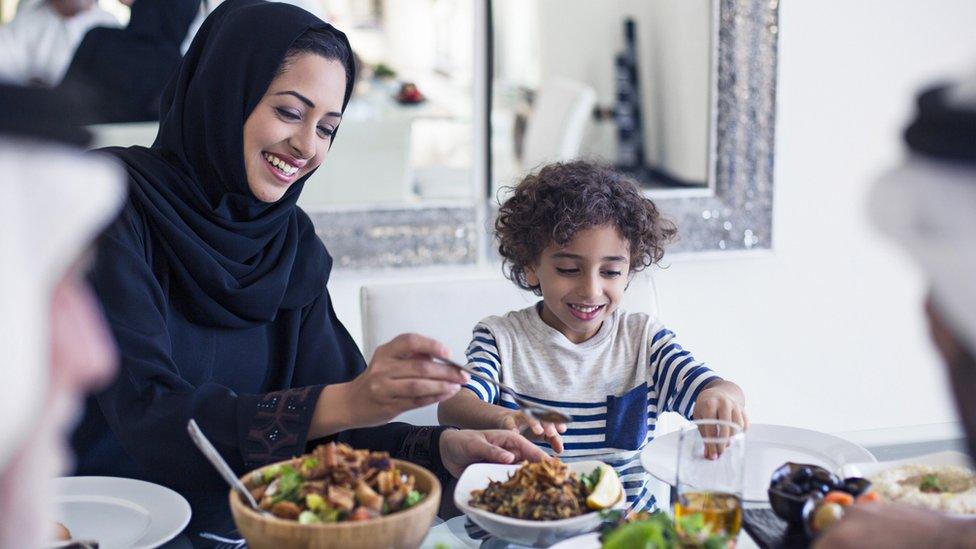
(448, 310)
(123, 135)
(560, 115)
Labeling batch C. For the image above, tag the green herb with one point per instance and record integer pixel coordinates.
(611, 515)
(308, 517)
(413, 498)
(694, 525)
(656, 532)
(590, 479)
(694, 528)
(309, 463)
(931, 485)
(328, 514)
(288, 483)
(271, 472)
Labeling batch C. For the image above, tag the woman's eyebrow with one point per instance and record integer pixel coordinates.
(307, 101)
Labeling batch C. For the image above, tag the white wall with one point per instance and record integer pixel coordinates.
(826, 331)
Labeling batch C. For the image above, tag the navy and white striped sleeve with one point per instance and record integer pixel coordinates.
(482, 355)
(675, 375)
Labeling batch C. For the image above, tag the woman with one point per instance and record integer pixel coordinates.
(214, 282)
(56, 345)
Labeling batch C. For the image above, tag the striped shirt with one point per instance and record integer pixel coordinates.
(613, 385)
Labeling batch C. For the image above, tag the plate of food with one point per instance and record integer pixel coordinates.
(942, 481)
(119, 512)
(767, 448)
(337, 496)
(538, 504)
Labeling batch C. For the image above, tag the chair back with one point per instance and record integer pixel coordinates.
(448, 310)
(561, 113)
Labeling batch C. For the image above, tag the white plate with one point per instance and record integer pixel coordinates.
(536, 533)
(120, 513)
(958, 459)
(767, 447)
(586, 541)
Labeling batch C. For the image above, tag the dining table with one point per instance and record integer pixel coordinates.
(456, 532)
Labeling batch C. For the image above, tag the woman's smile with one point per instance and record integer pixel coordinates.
(282, 166)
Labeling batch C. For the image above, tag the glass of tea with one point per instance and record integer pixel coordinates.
(710, 472)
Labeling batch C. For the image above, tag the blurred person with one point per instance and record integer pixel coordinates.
(928, 205)
(56, 346)
(38, 44)
(214, 282)
(122, 71)
(206, 6)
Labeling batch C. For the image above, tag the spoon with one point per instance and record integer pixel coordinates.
(538, 411)
(212, 455)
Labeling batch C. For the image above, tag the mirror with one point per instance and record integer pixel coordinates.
(626, 83)
(407, 133)
(410, 183)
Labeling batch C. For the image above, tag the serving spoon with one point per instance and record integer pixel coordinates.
(215, 459)
(540, 412)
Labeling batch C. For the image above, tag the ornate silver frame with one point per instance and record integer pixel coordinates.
(736, 214)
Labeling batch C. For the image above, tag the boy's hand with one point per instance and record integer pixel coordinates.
(533, 429)
(721, 400)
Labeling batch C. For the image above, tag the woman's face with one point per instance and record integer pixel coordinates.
(289, 132)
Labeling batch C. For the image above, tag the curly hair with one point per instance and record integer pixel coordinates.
(552, 205)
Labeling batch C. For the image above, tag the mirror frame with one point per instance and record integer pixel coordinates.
(733, 214)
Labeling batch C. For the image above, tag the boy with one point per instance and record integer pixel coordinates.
(575, 233)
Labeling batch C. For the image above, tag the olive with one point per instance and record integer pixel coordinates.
(826, 477)
(792, 489)
(803, 473)
(827, 515)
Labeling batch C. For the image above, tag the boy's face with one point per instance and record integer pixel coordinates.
(582, 283)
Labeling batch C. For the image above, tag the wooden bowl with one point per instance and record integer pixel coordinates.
(403, 529)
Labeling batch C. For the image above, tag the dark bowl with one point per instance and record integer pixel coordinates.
(788, 503)
(789, 507)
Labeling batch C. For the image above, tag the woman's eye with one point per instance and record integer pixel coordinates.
(611, 274)
(289, 115)
(325, 132)
(566, 271)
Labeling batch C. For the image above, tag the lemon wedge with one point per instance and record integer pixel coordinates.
(607, 490)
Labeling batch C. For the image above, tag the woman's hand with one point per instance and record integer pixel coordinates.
(400, 377)
(462, 448)
(722, 400)
(530, 427)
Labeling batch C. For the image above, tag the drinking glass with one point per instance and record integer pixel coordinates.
(709, 487)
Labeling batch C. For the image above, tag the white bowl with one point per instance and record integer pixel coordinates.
(537, 533)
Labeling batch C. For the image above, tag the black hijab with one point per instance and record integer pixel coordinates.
(123, 71)
(229, 260)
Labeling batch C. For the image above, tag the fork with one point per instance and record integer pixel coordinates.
(540, 412)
